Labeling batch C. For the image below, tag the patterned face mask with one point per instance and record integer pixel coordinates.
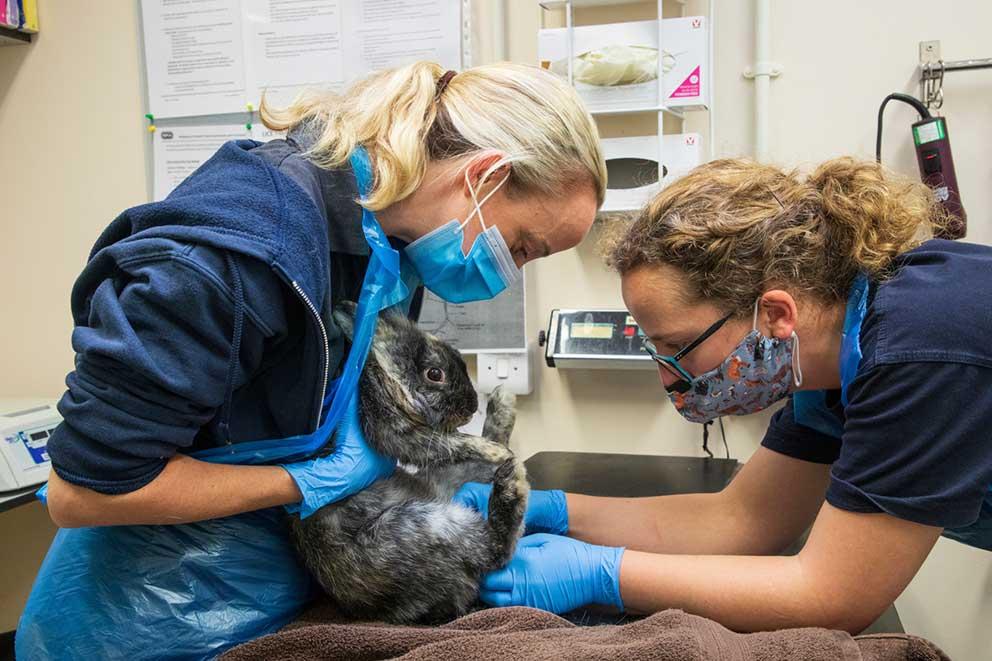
(758, 373)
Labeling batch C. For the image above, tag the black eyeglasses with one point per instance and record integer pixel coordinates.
(671, 363)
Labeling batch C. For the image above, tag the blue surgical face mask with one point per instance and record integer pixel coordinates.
(484, 272)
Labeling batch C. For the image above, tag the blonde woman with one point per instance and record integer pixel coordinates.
(753, 285)
(204, 319)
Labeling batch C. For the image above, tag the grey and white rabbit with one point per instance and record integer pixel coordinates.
(401, 551)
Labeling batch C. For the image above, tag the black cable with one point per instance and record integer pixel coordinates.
(706, 438)
(905, 98)
(723, 433)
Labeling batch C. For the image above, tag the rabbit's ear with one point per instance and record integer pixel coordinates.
(344, 317)
(393, 325)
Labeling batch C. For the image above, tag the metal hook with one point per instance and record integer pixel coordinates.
(940, 86)
(933, 85)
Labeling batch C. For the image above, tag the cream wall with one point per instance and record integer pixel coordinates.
(73, 146)
(71, 157)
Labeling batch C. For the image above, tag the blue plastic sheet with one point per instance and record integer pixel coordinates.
(191, 591)
(163, 592)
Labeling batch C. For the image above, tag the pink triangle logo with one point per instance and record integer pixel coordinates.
(689, 86)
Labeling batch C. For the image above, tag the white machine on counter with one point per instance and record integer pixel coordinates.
(594, 339)
(24, 433)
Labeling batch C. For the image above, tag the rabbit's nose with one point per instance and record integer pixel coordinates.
(471, 403)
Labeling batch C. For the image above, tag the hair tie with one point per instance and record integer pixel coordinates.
(442, 83)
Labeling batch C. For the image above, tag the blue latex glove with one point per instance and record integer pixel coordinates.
(556, 574)
(350, 468)
(547, 511)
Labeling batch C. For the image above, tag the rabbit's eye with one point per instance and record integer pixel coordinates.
(435, 374)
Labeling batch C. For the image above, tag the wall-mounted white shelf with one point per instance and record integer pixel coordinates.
(660, 107)
(20, 21)
(11, 37)
(674, 112)
(560, 4)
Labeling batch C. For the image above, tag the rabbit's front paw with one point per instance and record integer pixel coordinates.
(501, 414)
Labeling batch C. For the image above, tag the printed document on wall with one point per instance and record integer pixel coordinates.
(210, 57)
(388, 33)
(290, 46)
(179, 150)
(478, 327)
(194, 56)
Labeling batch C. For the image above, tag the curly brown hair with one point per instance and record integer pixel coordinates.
(737, 228)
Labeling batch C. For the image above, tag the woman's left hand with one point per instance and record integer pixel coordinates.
(352, 466)
(556, 574)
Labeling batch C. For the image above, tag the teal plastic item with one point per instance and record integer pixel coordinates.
(192, 591)
(850, 341)
(809, 406)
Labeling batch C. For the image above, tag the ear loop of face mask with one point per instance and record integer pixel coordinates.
(797, 370)
(475, 199)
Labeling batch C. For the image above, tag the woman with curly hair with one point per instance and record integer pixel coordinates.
(753, 285)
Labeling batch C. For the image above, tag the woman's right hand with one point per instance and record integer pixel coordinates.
(547, 511)
(352, 466)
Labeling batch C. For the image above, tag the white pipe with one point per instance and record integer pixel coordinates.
(762, 76)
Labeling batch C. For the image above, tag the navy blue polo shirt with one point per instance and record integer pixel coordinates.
(917, 440)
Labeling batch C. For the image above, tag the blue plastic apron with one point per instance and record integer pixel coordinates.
(384, 286)
(810, 408)
(192, 591)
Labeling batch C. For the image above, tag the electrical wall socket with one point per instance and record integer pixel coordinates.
(511, 370)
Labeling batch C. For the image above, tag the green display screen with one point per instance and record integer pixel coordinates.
(929, 132)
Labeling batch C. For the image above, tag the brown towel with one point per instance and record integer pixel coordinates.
(525, 633)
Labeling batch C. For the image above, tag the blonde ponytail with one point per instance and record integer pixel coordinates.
(397, 114)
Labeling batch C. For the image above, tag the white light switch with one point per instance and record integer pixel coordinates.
(510, 370)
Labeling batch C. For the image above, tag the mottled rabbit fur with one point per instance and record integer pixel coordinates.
(401, 551)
